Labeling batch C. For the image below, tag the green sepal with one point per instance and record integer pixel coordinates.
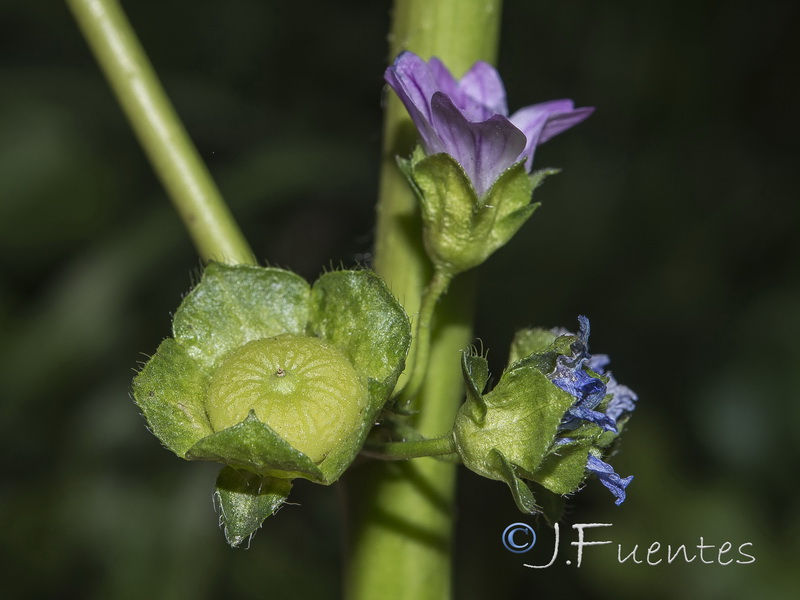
(512, 191)
(342, 457)
(233, 305)
(356, 312)
(407, 164)
(461, 230)
(245, 500)
(523, 413)
(505, 227)
(537, 177)
(523, 496)
(449, 213)
(544, 360)
(529, 341)
(551, 505)
(590, 434)
(175, 413)
(564, 469)
(475, 369)
(254, 446)
(510, 200)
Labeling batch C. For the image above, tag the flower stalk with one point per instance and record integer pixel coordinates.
(419, 368)
(440, 446)
(160, 132)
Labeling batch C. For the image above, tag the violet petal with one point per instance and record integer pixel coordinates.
(561, 122)
(484, 93)
(445, 80)
(484, 150)
(540, 122)
(414, 84)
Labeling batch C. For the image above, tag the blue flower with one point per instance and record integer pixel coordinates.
(605, 473)
(623, 399)
(579, 374)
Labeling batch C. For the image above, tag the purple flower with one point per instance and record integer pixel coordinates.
(468, 118)
(605, 473)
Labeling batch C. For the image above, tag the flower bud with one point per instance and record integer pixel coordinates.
(460, 229)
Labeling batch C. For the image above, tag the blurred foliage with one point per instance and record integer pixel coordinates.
(679, 194)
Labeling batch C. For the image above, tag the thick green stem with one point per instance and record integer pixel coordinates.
(171, 152)
(401, 513)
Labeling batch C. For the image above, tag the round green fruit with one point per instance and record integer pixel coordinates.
(303, 388)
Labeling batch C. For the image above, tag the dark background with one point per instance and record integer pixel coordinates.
(673, 227)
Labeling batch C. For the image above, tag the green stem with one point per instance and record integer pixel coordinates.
(416, 449)
(401, 512)
(433, 292)
(171, 152)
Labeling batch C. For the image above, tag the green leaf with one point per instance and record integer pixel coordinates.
(170, 390)
(245, 500)
(233, 305)
(564, 469)
(254, 446)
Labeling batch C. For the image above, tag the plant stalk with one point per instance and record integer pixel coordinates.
(401, 513)
(160, 132)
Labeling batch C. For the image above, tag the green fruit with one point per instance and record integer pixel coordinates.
(306, 390)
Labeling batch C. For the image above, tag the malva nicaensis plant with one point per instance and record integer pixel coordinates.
(279, 379)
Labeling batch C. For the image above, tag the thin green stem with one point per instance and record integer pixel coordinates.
(168, 146)
(422, 349)
(414, 449)
(401, 512)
